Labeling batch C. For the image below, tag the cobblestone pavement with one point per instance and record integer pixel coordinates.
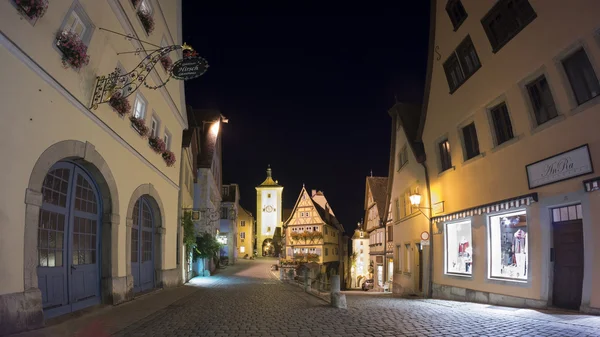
(248, 301)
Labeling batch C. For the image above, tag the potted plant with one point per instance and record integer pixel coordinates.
(33, 9)
(166, 62)
(147, 20)
(120, 104)
(157, 144)
(169, 158)
(73, 49)
(139, 125)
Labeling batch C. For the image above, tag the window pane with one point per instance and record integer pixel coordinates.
(572, 213)
(579, 212)
(502, 124)
(581, 76)
(556, 215)
(458, 247)
(542, 100)
(471, 141)
(508, 246)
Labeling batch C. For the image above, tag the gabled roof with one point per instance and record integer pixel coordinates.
(356, 235)
(242, 209)
(378, 187)
(326, 216)
(320, 199)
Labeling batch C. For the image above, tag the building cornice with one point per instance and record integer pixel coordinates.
(31, 64)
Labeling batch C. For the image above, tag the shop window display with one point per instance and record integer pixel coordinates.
(459, 248)
(508, 246)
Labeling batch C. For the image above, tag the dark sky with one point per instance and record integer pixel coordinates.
(307, 94)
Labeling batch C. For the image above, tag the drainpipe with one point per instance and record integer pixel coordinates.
(430, 281)
(182, 264)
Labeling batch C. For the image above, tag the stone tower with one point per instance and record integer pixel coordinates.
(268, 212)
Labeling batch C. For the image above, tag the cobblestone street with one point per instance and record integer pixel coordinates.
(246, 300)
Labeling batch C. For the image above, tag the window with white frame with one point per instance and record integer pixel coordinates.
(154, 125)
(402, 157)
(167, 139)
(242, 235)
(139, 107)
(508, 238)
(78, 22)
(243, 223)
(459, 247)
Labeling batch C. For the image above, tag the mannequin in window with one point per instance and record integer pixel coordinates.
(462, 246)
(519, 257)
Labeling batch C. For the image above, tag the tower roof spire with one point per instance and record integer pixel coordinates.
(269, 181)
(269, 171)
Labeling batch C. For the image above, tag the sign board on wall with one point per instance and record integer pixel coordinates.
(438, 208)
(563, 166)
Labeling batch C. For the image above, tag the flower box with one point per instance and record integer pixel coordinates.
(166, 62)
(139, 125)
(73, 49)
(120, 104)
(147, 21)
(169, 158)
(33, 9)
(157, 144)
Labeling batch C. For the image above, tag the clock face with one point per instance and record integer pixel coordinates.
(269, 209)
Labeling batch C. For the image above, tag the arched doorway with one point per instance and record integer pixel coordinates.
(142, 246)
(267, 247)
(69, 240)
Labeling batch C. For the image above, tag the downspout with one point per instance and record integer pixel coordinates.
(430, 281)
(182, 264)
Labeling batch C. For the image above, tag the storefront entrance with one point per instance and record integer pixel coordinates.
(68, 241)
(142, 246)
(568, 257)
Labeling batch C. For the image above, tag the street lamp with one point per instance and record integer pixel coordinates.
(415, 201)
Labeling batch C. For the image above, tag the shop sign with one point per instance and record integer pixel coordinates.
(189, 68)
(438, 208)
(563, 166)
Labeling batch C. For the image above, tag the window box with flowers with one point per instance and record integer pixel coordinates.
(139, 125)
(147, 20)
(157, 144)
(120, 104)
(169, 158)
(33, 9)
(73, 49)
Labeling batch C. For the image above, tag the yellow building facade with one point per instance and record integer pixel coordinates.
(380, 241)
(312, 231)
(245, 238)
(89, 210)
(410, 234)
(510, 134)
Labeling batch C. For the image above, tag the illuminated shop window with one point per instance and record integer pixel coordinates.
(508, 237)
(459, 248)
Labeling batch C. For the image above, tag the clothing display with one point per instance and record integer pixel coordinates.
(512, 243)
(462, 247)
(519, 241)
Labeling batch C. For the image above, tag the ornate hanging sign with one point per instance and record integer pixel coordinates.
(117, 84)
(189, 67)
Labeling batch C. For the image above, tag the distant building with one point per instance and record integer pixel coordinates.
(228, 230)
(511, 136)
(380, 262)
(269, 212)
(245, 225)
(360, 257)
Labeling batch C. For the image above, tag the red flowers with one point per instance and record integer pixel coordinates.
(120, 104)
(139, 125)
(34, 9)
(157, 144)
(147, 21)
(169, 158)
(73, 49)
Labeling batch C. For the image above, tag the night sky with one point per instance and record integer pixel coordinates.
(307, 94)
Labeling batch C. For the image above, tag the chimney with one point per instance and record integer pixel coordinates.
(313, 192)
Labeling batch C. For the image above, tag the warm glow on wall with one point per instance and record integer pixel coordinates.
(214, 129)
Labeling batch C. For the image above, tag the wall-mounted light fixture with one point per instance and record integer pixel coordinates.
(415, 201)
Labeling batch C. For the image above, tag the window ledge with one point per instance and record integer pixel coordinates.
(452, 91)
(508, 282)
(548, 124)
(452, 168)
(507, 143)
(584, 106)
(459, 276)
(402, 167)
(406, 273)
(470, 160)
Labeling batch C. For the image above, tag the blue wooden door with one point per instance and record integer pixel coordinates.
(68, 241)
(142, 246)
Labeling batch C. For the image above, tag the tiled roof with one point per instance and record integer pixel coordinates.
(328, 217)
(378, 187)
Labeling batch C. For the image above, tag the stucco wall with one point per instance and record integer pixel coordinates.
(499, 173)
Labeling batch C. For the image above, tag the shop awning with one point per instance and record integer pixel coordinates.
(592, 185)
(524, 200)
